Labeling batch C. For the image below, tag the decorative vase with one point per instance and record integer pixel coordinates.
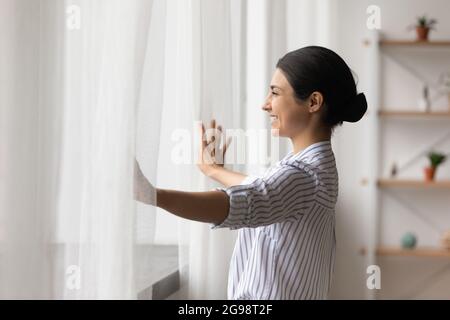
(422, 33)
(424, 102)
(446, 240)
(409, 241)
(429, 173)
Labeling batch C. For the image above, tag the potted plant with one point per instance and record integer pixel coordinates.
(436, 159)
(423, 26)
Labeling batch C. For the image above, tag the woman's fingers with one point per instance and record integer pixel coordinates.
(201, 130)
(204, 153)
(211, 139)
(202, 136)
(218, 133)
(143, 190)
(227, 144)
(212, 132)
(137, 169)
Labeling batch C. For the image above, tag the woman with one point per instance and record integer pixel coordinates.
(286, 242)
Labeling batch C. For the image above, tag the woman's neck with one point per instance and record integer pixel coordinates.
(306, 139)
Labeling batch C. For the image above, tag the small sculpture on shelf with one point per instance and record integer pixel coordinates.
(423, 26)
(424, 101)
(446, 240)
(444, 85)
(436, 159)
(394, 170)
(409, 240)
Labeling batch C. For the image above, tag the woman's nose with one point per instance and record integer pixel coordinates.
(266, 105)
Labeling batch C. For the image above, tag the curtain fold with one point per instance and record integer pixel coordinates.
(86, 86)
(68, 132)
(202, 81)
(216, 43)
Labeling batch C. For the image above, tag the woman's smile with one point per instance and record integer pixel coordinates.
(273, 119)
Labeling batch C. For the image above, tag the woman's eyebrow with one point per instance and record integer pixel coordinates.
(273, 87)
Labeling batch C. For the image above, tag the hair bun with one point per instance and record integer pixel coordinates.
(356, 109)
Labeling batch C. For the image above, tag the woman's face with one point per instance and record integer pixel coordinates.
(288, 117)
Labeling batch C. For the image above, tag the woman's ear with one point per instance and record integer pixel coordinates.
(315, 101)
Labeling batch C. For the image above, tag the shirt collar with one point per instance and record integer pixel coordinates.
(318, 147)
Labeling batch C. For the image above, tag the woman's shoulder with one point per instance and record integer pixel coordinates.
(290, 172)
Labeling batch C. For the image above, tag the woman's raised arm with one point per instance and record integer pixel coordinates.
(209, 206)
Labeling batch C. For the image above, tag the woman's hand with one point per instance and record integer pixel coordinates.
(211, 156)
(144, 191)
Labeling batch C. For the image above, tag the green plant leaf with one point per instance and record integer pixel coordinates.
(436, 158)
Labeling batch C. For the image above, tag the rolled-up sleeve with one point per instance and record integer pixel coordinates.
(288, 192)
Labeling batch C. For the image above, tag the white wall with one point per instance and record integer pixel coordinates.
(401, 277)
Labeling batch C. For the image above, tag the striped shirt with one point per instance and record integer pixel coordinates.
(286, 243)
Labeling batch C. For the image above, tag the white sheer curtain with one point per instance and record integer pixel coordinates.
(82, 83)
(203, 80)
(311, 22)
(70, 76)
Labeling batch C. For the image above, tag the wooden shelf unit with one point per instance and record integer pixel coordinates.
(415, 114)
(375, 249)
(404, 183)
(430, 252)
(414, 43)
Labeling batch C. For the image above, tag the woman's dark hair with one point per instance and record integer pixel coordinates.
(320, 69)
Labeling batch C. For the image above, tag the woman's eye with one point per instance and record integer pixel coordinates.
(274, 93)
